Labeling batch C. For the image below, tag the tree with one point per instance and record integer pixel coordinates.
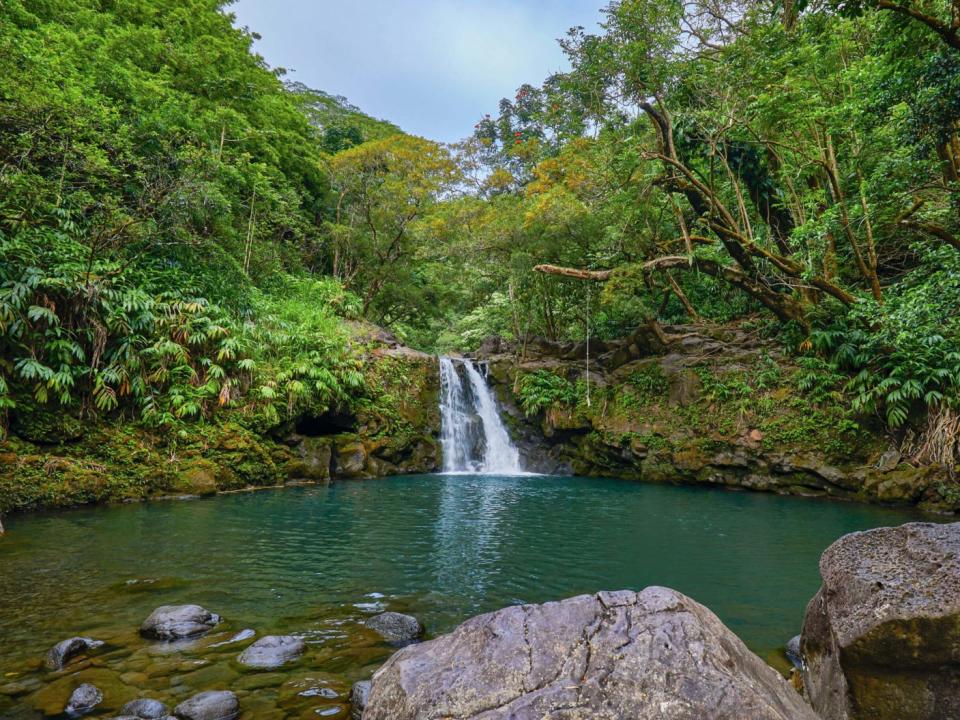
(384, 189)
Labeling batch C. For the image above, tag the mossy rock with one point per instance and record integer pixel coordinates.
(198, 477)
(312, 461)
(350, 457)
(46, 425)
(242, 459)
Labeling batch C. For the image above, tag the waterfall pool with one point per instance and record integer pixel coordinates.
(315, 561)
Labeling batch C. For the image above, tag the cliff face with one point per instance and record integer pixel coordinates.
(717, 406)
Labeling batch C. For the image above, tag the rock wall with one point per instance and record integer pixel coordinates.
(397, 434)
(717, 406)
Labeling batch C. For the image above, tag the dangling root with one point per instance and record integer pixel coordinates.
(939, 442)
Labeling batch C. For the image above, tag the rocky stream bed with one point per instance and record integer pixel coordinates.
(879, 642)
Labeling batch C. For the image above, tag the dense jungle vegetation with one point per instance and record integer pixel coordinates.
(183, 234)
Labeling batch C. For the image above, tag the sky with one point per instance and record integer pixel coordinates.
(433, 67)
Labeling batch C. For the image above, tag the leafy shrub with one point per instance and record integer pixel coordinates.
(820, 380)
(649, 382)
(723, 389)
(81, 333)
(906, 353)
(539, 390)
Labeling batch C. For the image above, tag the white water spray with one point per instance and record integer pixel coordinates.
(473, 436)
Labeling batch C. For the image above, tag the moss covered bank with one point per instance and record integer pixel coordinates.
(51, 460)
(714, 405)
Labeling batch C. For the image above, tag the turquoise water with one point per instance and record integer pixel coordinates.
(317, 560)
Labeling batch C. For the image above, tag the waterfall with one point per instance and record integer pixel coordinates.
(472, 434)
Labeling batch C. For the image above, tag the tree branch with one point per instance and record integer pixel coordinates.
(594, 275)
(948, 32)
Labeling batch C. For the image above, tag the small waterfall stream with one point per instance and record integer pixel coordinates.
(473, 436)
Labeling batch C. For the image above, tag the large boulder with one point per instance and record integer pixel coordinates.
(315, 454)
(396, 627)
(61, 653)
(209, 705)
(272, 651)
(881, 638)
(652, 655)
(173, 622)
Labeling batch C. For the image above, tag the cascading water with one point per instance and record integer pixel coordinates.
(473, 436)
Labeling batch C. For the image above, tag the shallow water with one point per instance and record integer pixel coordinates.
(315, 561)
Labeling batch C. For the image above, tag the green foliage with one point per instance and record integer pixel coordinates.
(159, 186)
(829, 430)
(769, 373)
(904, 354)
(723, 388)
(171, 212)
(85, 334)
(648, 383)
(820, 380)
(343, 125)
(539, 390)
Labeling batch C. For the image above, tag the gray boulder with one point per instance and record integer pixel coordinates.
(61, 653)
(145, 708)
(272, 651)
(359, 695)
(172, 622)
(210, 705)
(881, 638)
(396, 627)
(84, 699)
(652, 655)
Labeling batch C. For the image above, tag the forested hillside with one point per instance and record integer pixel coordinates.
(185, 239)
(165, 203)
(710, 161)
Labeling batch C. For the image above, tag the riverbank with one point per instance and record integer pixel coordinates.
(715, 405)
(390, 426)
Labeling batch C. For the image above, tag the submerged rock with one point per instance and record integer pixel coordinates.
(84, 699)
(171, 622)
(651, 655)
(61, 653)
(396, 627)
(272, 651)
(359, 695)
(210, 705)
(881, 638)
(145, 708)
(244, 634)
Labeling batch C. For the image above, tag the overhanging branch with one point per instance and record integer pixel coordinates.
(595, 275)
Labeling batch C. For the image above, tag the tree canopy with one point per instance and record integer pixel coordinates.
(166, 199)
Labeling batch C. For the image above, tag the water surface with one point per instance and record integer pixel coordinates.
(315, 561)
